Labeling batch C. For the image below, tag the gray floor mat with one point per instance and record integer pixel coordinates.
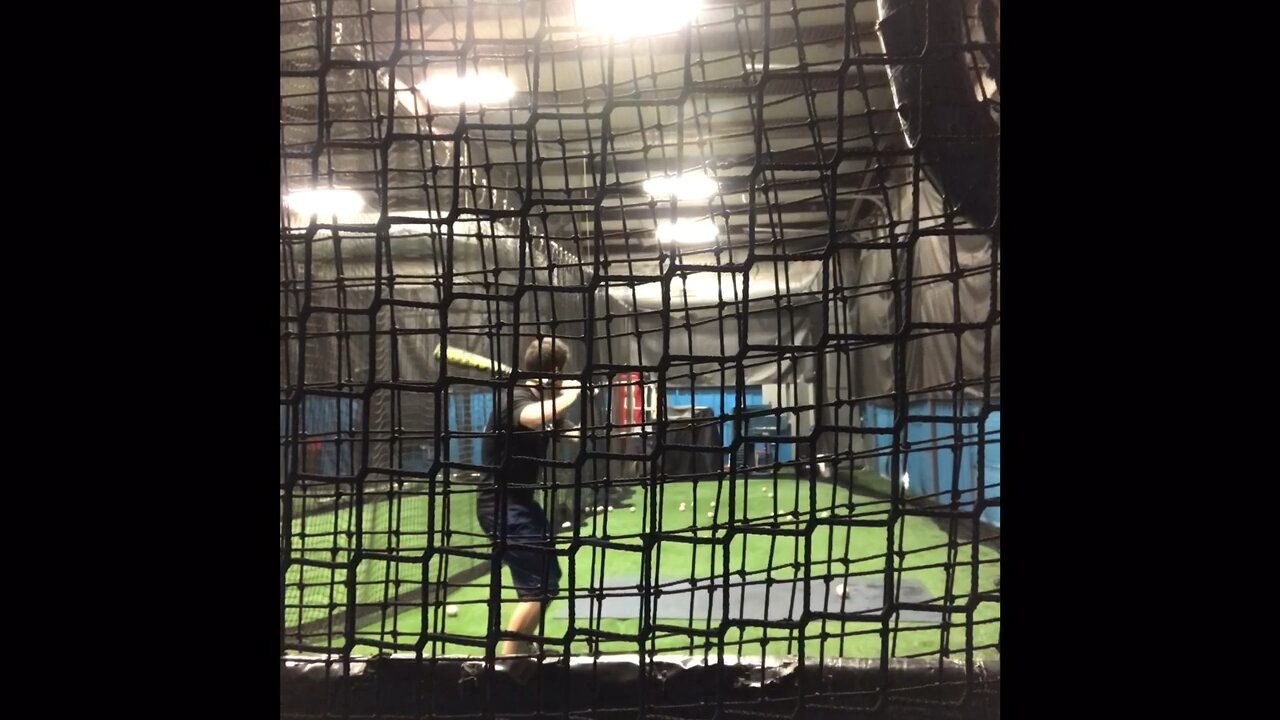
(782, 600)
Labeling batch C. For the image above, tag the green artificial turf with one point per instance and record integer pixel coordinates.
(919, 550)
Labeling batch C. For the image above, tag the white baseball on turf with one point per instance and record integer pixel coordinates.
(632, 508)
(451, 611)
(566, 524)
(711, 513)
(682, 507)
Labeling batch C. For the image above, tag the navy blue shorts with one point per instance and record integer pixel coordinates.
(535, 570)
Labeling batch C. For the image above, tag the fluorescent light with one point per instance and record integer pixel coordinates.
(635, 18)
(325, 201)
(480, 89)
(760, 67)
(688, 231)
(685, 187)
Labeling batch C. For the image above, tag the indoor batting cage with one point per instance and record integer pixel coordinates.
(639, 357)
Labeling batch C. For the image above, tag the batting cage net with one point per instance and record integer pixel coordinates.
(766, 233)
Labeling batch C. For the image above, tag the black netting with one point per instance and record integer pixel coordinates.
(768, 235)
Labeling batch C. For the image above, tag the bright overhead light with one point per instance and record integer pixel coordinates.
(761, 67)
(479, 89)
(685, 187)
(688, 231)
(634, 18)
(325, 202)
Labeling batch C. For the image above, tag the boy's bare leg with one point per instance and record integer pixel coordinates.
(524, 620)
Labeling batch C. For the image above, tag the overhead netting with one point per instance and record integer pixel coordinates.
(769, 234)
